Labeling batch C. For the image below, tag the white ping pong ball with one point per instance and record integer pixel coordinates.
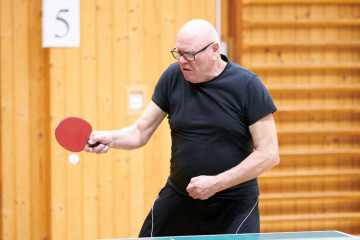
(73, 159)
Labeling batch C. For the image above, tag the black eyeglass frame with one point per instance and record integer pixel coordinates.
(173, 52)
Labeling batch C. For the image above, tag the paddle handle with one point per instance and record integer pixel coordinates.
(94, 145)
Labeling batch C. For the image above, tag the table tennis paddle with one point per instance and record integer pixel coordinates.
(73, 134)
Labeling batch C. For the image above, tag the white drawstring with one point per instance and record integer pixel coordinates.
(152, 218)
(247, 216)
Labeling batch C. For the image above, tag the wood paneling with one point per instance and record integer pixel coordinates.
(123, 44)
(307, 54)
(24, 123)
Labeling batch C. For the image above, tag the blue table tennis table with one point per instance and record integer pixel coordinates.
(315, 235)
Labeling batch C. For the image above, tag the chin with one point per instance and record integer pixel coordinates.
(188, 77)
(191, 80)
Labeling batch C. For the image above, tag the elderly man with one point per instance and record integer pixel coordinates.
(223, 137)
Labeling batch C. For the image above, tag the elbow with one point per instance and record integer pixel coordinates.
(141, 137)
(274, 158)
(138, 143)
(271, 158)
(143, 141)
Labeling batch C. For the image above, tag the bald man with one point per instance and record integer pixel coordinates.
(223, 137)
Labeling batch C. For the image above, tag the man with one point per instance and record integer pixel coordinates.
(223, 137)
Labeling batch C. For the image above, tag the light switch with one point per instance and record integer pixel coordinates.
(136, 101)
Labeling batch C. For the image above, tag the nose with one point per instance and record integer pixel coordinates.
(182, 59)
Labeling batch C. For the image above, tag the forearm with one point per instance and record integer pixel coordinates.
(131, 137)
(134, 136)
(254, 165)
(126, 138)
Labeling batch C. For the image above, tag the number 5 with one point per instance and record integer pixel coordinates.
(59, 18)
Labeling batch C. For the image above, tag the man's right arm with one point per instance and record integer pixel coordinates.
(131, 137)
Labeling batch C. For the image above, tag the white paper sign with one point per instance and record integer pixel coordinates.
(61, 23)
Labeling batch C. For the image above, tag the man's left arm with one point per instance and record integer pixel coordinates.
(264, 157)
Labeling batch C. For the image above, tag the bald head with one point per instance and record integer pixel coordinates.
(198, 31)
(199, 40)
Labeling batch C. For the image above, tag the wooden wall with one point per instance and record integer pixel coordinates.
(125, 45)
(25, 147)
(307, 54)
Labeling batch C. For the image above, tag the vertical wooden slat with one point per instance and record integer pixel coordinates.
(225, 36)
(104, 106)
(58, 155)
(121, 162)
(7, 122)
(73, 178)
(90, 199)
(40, 127)
(22, 120)
(180, 11)
(1, 162)
(210, 12)
(235, 29)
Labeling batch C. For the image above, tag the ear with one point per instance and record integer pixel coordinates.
(215, 50)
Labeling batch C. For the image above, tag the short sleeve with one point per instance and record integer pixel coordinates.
(258, 102)
(161, 92)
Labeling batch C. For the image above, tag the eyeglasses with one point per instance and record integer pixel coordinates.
(187, 56)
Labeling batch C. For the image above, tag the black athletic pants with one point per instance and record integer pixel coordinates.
(174, 214)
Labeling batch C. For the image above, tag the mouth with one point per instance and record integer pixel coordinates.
(184, 69)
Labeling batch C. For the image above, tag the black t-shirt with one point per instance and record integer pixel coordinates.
(210, 122)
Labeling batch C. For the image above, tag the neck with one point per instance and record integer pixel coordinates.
(220, 66)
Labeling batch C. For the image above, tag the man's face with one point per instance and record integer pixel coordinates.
(199, 70)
